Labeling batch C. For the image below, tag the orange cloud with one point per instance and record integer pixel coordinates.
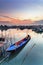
(4, 19)
(15, 21)
(18, 21)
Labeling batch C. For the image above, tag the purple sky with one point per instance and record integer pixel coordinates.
(22, 9)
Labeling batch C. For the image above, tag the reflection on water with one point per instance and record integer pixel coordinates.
(35, 57)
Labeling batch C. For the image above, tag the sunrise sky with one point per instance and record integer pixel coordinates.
(21, 9)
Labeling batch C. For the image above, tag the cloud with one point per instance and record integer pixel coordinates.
(6, 16)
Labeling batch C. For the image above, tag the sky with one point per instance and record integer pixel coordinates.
(22, 9)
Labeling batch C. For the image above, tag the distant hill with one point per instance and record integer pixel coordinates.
(38, 22)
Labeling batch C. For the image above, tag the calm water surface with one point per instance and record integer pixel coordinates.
(28, 55)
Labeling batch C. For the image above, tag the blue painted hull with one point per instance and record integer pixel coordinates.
(15, 47)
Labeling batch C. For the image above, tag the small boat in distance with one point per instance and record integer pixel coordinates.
(19, 44)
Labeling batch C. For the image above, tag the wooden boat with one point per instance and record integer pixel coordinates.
(18, 44)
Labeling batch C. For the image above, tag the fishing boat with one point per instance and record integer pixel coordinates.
(19, 44)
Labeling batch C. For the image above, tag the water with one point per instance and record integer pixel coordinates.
(35, 54)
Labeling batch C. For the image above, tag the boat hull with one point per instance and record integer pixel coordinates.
(20, 46)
